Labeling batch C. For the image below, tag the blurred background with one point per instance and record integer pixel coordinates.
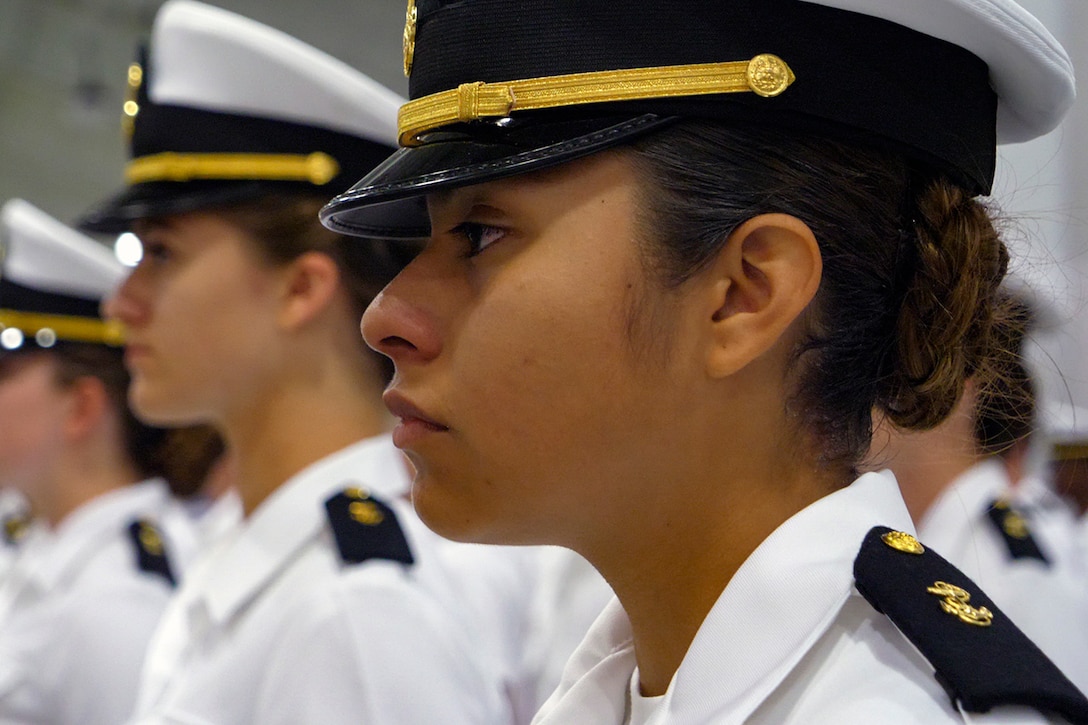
(62, 72)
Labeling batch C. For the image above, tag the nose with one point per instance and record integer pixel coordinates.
(402, 321)
(124, 304)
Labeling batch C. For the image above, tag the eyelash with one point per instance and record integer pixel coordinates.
(471, 232)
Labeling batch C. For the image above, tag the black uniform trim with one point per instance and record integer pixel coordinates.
(979, 667)
(150, 550)
(365, 528)
(1014, 532)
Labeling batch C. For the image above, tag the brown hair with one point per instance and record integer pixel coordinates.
(1005, 401)
(906, 308)
(285, 226)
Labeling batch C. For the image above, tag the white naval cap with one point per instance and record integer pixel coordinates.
(1029, 69)
(224, 108)
(52, 281)
(941, 82)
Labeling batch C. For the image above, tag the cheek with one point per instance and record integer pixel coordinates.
(205, 324)
(547, 365)
(30, 427)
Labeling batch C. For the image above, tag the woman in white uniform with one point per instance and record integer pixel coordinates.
(91, 576)
(329, 602)
(676, 253)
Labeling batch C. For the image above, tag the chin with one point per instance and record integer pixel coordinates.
(451, 512)
(156, 406)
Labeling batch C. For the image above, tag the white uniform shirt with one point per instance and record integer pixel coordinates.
(13, 513)
(272, 627)
(80, 614)
(789, 641)
(568, 597)
(1049, 602)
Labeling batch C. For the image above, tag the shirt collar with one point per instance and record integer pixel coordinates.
(61, 552)
(966, 498)
(777, 605)
(292, 516)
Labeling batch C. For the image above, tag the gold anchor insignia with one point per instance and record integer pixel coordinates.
(1012, 522)
(1015, 526)
(131, 107)
(366, 512)
(150, 539)
(410, 37)
(901, 541)
(956, 602)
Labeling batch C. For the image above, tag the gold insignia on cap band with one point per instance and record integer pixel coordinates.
(766, 75)
(317, 168)
(902, 541)
(131, 107)
(956, 602)
(65, 327)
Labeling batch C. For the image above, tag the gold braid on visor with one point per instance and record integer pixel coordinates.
(66, 327)
(316, 168)
(766, 75)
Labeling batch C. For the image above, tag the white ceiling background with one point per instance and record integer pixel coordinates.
(62, 69)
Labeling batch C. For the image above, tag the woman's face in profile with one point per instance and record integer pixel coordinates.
(533, 384)
(199, 311)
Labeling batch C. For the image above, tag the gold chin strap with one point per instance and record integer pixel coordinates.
(766, 75)
(316, 168)
(63, 327)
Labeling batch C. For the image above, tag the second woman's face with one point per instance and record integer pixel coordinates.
(200, 312)
(535, 385)
(33, 410)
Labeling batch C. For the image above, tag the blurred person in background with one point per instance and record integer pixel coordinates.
(964, 483)
(93, 575)
(329, 602)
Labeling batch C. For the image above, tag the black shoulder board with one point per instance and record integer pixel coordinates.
(150, 550)
(1014, 531)
(365, 528)
(981, 658)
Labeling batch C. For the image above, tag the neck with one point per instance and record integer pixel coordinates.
(678, 553)
(78, 479)
(296, 426)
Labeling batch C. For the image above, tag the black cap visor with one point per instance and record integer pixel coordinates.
(389, 202)
(162, 198)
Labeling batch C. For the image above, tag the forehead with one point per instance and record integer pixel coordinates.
(613, 166)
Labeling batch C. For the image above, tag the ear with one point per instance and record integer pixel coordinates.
(762, 280)
(88, 403)
(310, 284)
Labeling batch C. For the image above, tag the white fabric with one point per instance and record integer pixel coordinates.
(789, 641)
(1049, 603)
(12, 504)
(80, 615)
(1029, 69)
(568, 597)
(640, 709)
(271, 74)
(40, 252)
(193, 526)
(271, 627)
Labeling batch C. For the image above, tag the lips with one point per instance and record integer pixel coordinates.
(414, 425)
